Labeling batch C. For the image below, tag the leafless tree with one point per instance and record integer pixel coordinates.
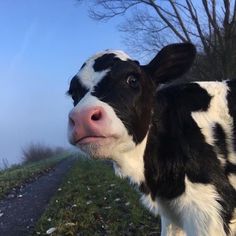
(149, 24)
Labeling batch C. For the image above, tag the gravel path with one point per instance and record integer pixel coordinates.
(19, 215)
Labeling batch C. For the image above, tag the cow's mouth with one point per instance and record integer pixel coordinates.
(90, 139)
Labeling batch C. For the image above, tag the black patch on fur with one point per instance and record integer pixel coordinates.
(230, 168)
(175, 141)
(176, 148)
(187, 97)
(105, 61)
(76, 90)
(132, 105)
(220, 140)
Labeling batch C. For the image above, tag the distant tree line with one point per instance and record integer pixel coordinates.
(150, 24)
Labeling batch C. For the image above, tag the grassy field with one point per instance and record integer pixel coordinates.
(92, 201)
(16, 176)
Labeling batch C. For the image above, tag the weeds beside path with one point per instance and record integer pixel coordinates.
(92, 201)
(14, 178)
(19, 215)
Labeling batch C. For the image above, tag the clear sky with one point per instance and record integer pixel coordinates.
(43, 43)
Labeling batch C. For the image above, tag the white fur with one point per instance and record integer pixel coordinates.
(130, 164)
(200, 204)
(122, 142)
(150, 204)
(169, 229)
(119, 54)
(233, 224)
(196, 211)
(217, 112)
(89, 77)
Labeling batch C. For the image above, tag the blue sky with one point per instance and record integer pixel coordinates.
(42, 45)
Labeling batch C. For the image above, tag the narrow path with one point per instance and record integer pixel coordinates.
(21, 213)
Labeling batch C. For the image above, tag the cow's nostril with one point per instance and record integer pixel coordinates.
(71, 122)
(96, 116)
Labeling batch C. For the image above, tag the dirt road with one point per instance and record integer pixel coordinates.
(19, 214)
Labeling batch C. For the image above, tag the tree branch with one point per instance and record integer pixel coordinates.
(112, 9)
(212, 21)
(195, 19)
(180, 20)
(167, 22)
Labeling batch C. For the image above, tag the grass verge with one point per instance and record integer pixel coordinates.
(92, 201)
(18, 175)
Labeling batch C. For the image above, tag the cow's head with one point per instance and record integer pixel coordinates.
(113, 98)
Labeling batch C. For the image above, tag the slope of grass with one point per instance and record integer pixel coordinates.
(92, 201)
(16, 176)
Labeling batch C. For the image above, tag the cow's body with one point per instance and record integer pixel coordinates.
(176, 142)
(194, 137)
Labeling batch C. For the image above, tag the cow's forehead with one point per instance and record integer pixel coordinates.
(97, 66)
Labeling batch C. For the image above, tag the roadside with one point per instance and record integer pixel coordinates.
(19, 214)
(93, 201)
(16, 177)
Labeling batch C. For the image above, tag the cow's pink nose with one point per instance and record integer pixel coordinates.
(88, 116)
(88, 122)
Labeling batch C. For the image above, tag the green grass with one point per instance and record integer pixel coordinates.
(16, 176)
(92, 201)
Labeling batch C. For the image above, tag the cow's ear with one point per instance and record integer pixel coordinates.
(171, 62)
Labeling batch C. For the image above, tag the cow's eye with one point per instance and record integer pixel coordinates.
(132, 81)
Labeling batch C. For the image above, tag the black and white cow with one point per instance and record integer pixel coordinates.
(176, 142)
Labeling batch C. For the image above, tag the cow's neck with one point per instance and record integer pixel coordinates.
(131, 164)
(163, 165)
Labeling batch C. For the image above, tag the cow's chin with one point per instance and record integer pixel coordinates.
(95, 150)
(107, 148)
